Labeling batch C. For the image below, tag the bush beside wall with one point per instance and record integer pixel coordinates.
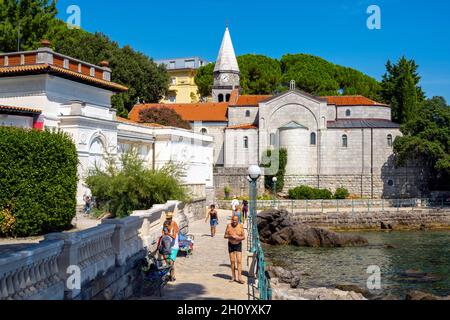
(38, 182)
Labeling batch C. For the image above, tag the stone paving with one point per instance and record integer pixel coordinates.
(206, 275)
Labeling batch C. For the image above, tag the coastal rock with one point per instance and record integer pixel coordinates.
(419, 276)
(419, 295)
(277, 228)
(353, 288)
(284, 292)
(284, 276)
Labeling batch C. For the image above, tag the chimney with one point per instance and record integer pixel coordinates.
(45, 53)
(106, 70)
(45, 43)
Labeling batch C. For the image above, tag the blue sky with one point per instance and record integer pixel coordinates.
(333, 30)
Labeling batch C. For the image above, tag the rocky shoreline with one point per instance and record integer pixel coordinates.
(277, 228)
(286, 285)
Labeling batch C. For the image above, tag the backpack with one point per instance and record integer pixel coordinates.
(165, 247)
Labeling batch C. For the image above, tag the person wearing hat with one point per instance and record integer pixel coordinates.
(173, 230)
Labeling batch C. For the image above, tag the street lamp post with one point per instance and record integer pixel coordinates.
(254, 173)
(274, 180)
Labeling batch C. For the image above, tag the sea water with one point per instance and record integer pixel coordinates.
(408, 261)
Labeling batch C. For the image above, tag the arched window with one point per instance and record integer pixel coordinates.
(228, 97)
(345, 141)
(247, 114)
(313, 139)
(348, 113)
(390, 140)
(245, 142)
(204, 131)
(96, 152)
(272, 139)
(220, 97)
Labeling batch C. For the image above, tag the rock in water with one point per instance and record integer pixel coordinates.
(419, 295)
(283, 292)
(277, 228)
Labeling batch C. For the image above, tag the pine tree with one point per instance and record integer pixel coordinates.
(400, 89)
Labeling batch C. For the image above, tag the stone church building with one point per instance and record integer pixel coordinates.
(332, 142)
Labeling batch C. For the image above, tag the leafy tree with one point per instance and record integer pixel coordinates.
(30, 20)
(259, 74)
(164, 116)
(204, 80)
(320, 77)
(264, 75)
(128, 185)
(426, 141)
(400, 89)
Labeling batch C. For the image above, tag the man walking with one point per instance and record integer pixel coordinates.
(235, 235)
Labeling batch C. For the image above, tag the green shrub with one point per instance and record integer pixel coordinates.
(341, 194)
(128, 185)
(38, 181)
(308, 193)
(283, 160)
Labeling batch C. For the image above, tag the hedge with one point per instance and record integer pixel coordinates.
(38, 182)
(308, 193)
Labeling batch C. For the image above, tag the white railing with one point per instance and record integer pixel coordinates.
(41, 272)
(32, 274)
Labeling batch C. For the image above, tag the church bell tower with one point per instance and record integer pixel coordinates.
(226, 72)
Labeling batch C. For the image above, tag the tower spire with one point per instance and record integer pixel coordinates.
(226, 61)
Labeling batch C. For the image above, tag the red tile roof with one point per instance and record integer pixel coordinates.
(246, 126)
(46, 68)
(250, 100)
(352, 101)
(214, 112)
(19, 109)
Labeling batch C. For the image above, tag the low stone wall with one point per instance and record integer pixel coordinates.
(235, 179)
(360, 205)
(361, 185)
(381, 220)
(103, 260)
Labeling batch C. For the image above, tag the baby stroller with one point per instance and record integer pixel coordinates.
(186, 242)
(156, 274)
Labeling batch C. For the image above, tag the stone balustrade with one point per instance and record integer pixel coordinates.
(107, 257)
(32, 274)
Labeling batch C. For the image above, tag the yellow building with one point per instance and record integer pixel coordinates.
(182, 73)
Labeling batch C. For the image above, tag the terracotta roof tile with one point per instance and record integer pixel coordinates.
(214, 112)
(250, 100)
(20, 109)
(247, 126)
(352, 101)
(46, 68)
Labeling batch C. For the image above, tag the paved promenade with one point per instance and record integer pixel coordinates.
(206, 275)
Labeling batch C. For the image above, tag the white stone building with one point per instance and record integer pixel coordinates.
(332, 142)
(45, 89)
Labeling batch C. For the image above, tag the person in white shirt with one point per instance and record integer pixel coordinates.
(235, 204)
